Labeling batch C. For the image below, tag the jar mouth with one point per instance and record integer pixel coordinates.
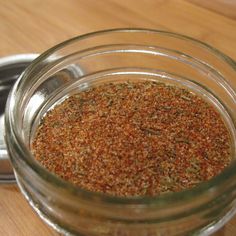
(13, 137)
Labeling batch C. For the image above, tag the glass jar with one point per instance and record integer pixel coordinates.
(114, 55)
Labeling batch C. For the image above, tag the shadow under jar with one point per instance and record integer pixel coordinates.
(111, 56)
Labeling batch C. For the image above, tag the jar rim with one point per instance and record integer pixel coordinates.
(162, 200)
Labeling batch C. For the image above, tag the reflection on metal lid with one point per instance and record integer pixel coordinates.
(10, 69)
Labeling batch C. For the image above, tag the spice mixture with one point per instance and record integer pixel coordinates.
(133, 138)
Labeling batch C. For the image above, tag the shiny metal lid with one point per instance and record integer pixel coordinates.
(10, 69)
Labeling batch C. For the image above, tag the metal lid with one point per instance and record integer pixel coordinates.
(10, 69)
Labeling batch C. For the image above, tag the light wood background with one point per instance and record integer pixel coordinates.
(28, 26)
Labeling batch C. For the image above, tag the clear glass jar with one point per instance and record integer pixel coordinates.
(123, 54)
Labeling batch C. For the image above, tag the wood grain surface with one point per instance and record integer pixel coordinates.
(28, 26)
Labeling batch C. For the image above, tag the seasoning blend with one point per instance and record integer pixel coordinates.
(119, 147)
(129, 138)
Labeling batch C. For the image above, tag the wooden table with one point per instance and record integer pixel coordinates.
(28, 26)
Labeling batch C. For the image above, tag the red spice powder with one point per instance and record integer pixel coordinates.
(133, 138)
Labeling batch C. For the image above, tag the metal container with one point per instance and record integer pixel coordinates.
(10, 69)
